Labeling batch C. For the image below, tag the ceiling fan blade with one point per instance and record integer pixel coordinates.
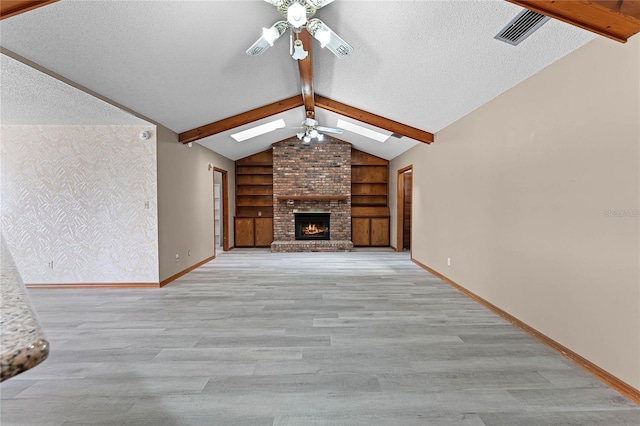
(269, 36)
(330, 130)
(258, 47)
(318, 3)
(328, 38)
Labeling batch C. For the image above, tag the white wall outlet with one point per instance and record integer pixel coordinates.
(177, 257)
(448, 261)
(189, 253)
(50, 264)
(146, 205)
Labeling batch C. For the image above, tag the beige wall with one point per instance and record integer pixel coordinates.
(535, 199)
(185, 202)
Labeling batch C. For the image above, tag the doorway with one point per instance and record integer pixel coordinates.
(404, 207)
(220, 210)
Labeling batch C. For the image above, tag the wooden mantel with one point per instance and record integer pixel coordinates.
(312, 197)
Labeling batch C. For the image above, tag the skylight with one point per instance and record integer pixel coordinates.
(363, 131)
(259, 130)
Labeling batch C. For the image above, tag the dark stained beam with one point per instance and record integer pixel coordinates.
(305, 67)
(614, 19)
(373, 119)
(9, 8)
(240, 119)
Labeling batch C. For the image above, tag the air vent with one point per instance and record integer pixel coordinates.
(521, 27)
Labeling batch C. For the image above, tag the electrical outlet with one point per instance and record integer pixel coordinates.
(189, 253)
(146, 205)
(50, 264)
(177, 257)
(448, 261)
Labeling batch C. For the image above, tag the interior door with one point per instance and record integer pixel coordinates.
(406, 220)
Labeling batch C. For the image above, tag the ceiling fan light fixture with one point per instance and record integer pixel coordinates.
(298, 51)
(323, 35)
(270, 35)
(320, 137)
(297, 15)
(329, 39)
(306, 139)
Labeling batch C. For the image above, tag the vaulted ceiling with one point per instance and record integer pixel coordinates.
(182, 64)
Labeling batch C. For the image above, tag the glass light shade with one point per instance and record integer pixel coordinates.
(313, 133)
(298, 51)
(323, 35)
(307, 139)
(328, 38)
(297, 15)
(270, 34)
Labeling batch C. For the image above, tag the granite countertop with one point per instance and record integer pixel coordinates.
(22, 342)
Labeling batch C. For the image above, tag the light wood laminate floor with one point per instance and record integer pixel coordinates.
(255, 338)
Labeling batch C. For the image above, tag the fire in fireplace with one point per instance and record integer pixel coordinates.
(312, 226)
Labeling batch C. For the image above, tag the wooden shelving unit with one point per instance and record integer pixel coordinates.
(369, 179)
(369, 199)
(254, 200)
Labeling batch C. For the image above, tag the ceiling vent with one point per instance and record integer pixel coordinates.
(521, 27)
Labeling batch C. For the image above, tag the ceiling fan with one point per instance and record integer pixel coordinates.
(310, 131)
(299, 14)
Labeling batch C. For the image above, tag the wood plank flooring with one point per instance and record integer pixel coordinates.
(255, 338)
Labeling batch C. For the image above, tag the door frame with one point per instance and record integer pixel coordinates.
(225, 209)
(400, 206)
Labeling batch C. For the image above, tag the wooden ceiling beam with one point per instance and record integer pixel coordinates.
(305, 66)
(614, 19)
(373, 119)
(240, 119)
(9, 8)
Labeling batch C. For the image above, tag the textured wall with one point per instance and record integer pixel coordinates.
(75, 196)
(535, 199)
(316, 169)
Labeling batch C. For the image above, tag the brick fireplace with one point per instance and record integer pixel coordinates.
(315, 177)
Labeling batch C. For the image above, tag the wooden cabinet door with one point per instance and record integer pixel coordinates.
(379, 231)
(264, 231)
(360, 231)
(244, 232)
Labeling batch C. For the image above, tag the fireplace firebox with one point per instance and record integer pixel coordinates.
(312, 225)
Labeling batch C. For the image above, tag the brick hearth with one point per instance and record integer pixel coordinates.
(320, 170)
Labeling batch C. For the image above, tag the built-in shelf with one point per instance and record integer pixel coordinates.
(369, 199)
(312, 197)
(254, 192)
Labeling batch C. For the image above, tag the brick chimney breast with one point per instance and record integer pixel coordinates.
(321, 169)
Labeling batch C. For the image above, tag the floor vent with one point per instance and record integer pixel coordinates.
(521, 27)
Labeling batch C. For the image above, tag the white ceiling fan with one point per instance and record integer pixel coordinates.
(299, 14)
(311, 131)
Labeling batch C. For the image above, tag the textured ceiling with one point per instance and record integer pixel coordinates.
(182, 63)
(30, 97)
